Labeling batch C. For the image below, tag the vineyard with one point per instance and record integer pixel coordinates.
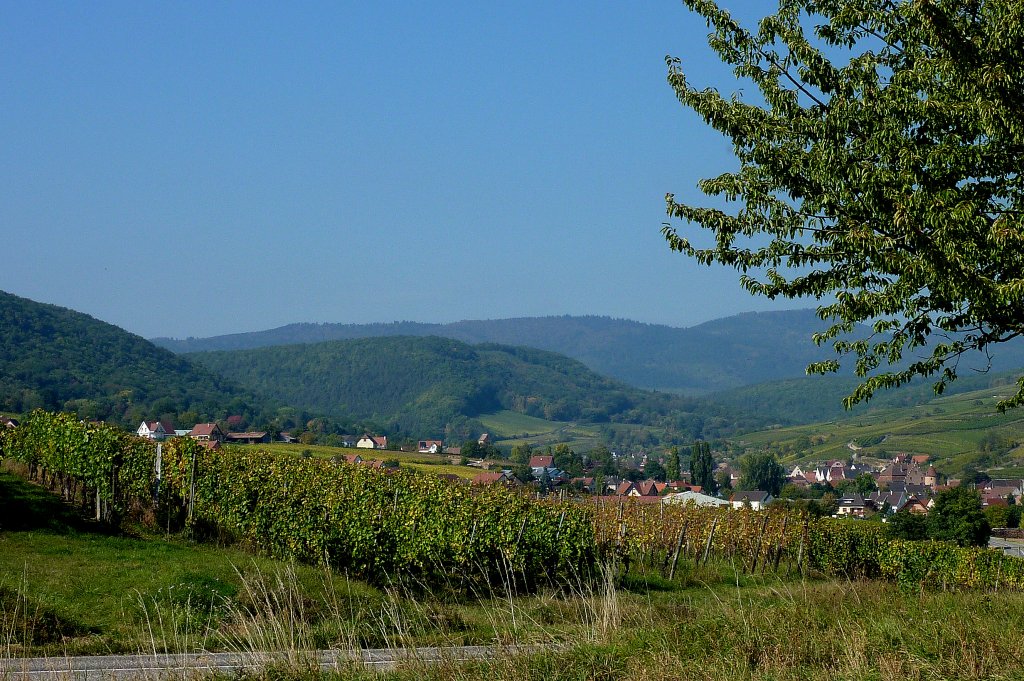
(385, 526)
(375, 524)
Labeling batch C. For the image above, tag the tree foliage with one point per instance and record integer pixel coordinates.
(672, 464)
(702, 467)
(957, 517)
(762, 471)
(879, 173)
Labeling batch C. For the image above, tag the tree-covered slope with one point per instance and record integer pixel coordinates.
(726, 353)
(430, 385)
(56, 358)
(741, 350)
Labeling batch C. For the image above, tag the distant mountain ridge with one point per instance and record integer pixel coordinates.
(722, 354)
(717, 355)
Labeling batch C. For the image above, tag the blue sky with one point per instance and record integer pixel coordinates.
(191, 169)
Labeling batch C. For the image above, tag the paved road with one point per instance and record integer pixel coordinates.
(1010, 547)
(106, 667)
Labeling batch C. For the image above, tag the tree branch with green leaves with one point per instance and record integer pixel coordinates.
(879, 175)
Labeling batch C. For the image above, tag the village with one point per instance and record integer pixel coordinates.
(908, 482)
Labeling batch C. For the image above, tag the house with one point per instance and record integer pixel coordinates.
(210, 444)
(156, 430)
(627, 489)
(584, 484)
(484, 439)
(542, 461)
(650, 488)
(349, 458)
(207, 432)
(496, 478)
(373, 442)
(756, 499)
(915, 505)
(248, 438)
(10, 423)
(853, 505)
(288, 437)
(429, 446)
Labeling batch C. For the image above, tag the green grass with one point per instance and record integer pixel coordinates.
(950, 429)
(511, 424)
(780, 631)
(512, 428)
(426, 463)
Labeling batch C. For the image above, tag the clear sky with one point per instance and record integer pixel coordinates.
(192, 169)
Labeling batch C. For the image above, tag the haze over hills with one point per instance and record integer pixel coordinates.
(726, 353)
(722, 354)
(55, 358)
(434, 386)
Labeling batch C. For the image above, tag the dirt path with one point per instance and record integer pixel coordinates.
(94, 668)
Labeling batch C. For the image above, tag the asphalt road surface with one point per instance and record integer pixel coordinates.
(191, 665)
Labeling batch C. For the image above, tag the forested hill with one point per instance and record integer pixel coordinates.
(741, 350)
(56, 358)
(431, 386)
(731, 352)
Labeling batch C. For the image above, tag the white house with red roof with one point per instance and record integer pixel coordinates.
(373, 442)
(155, 430)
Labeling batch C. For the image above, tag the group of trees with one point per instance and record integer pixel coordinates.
(956, 516)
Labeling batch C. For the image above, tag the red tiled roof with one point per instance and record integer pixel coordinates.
(203, 429)
(541, 461)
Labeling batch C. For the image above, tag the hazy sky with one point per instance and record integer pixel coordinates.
(203, 168)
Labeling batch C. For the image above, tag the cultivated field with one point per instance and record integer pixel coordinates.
(955, 430)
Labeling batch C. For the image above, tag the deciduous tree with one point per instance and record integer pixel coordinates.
(957, 517)
(761, 471)
(702, 467)
(879, 173)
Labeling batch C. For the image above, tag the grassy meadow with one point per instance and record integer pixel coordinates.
(957, 430)
(426, 463)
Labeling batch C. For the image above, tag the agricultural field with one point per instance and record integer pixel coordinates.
(957, 431)
(511, 428)
(426, 463)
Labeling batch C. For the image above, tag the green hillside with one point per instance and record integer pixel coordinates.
(722, 354)
(961, 432)
(55, 358)
(820, 398)
(430, 386)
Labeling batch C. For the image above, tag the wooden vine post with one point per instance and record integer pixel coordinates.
(675, 554)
